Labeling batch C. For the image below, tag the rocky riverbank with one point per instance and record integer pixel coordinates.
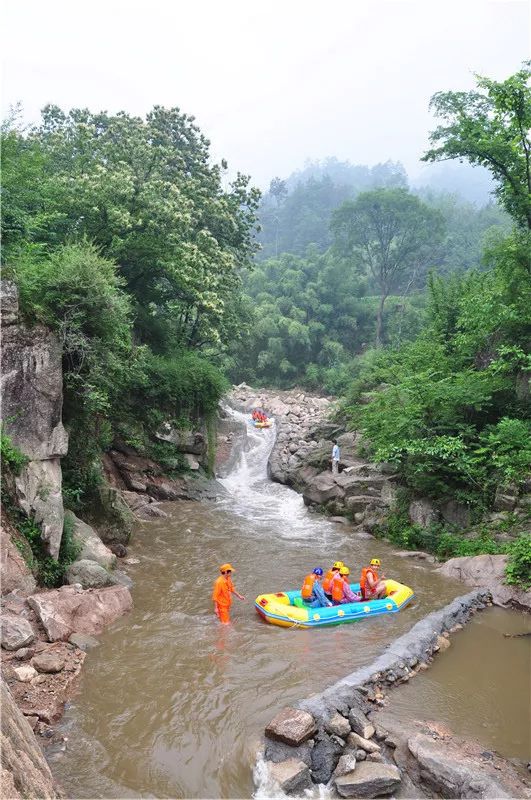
(347, 736)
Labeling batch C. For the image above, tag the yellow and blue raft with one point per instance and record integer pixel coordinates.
(289, 610)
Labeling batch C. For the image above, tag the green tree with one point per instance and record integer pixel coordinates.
(391, 234)
(490, 126)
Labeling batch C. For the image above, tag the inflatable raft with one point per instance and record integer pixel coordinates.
(289, 610)
(266, 424)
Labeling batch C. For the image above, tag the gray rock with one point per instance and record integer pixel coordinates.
(321, 489)
(279, 751)
(360, 724)
(25, 674)
(346, 764)
(183, 441)
(325, 756)
(456, 513)
(48, 662)
(8, 302)
(359, 503)
(369, 780)
(292, 726)
(15, 632)
(119, 578)
(360, 754)
(356, 741)
(505, 500)
(487, 571)
(423, 513)
(83, 641)
(192, 462)
(338, 725)
(92, 548)
(292, 776)
(89, 574)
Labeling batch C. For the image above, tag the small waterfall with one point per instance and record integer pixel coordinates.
(251, 494)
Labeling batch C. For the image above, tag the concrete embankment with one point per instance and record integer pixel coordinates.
(343, 738)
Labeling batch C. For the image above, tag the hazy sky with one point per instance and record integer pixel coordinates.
(270, 83)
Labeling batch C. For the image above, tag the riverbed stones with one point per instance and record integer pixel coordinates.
(325, 756)
(292, 726)
(338, 725)
(25, 673)
(292, 776)
(89, 574)
(355, 741)
(48, 662)
(346, 764)
(15, 632)
(83, 641)
(360, 724)
(369, 779)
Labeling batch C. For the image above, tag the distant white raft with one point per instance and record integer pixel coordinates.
(289, 610)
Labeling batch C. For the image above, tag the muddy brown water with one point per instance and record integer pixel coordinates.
(172, 704)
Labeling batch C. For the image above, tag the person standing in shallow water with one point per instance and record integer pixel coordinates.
(222, 594)
(335, 458)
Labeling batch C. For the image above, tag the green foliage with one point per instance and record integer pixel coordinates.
(518, 570)
(490, 126)
(48, 571)
(391, 235)
(11, 457)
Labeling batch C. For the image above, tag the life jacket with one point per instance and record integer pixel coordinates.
(364, 585)
(337, 588)
(307, 586)
(327, 582)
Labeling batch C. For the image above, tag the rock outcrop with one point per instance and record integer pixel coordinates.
(15, 572)
(25, 773)
(32, 396)
(488, 571)
(69, 609)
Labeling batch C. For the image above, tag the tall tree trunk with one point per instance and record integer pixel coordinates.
(379, 320)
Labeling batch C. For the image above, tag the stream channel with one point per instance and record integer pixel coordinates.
(172, 704)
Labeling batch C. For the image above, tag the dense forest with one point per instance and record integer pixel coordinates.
(164, 282)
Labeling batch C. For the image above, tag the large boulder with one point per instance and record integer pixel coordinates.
(422, 512)
(24, 773)
(89, 574)
(292, 726)
(450, 772)
(91, 546)
(15, 632)
(488, 571)
(322, 489)
(68, 609)
(183, 441)
(369, 779)
(15, 572)
(456, 513)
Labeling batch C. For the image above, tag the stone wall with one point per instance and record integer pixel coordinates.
(342, 738)
(32, 397)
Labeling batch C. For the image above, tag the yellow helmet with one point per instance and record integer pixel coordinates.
(344, 571)
(338, 565)
(375, 562)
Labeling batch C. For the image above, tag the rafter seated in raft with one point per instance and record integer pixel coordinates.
(288, 609)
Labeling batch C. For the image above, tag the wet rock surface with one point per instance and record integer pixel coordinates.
(291, 726)
(488, 571)
(369, 780)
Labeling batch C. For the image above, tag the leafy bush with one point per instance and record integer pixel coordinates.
(11, 457)
(518, 570)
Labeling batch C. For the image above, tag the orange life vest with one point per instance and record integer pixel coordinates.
(327, 582)
(223, 589)
(364, 584)
(337, 588)
(307, 586)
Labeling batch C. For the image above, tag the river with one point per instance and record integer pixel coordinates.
(171, 703)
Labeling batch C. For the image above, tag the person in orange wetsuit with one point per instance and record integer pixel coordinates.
(222, 594)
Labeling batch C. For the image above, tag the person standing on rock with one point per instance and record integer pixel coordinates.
(335, 458)
(222, 594)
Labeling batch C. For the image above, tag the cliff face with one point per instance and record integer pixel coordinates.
(32, 396)
(24, 772)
